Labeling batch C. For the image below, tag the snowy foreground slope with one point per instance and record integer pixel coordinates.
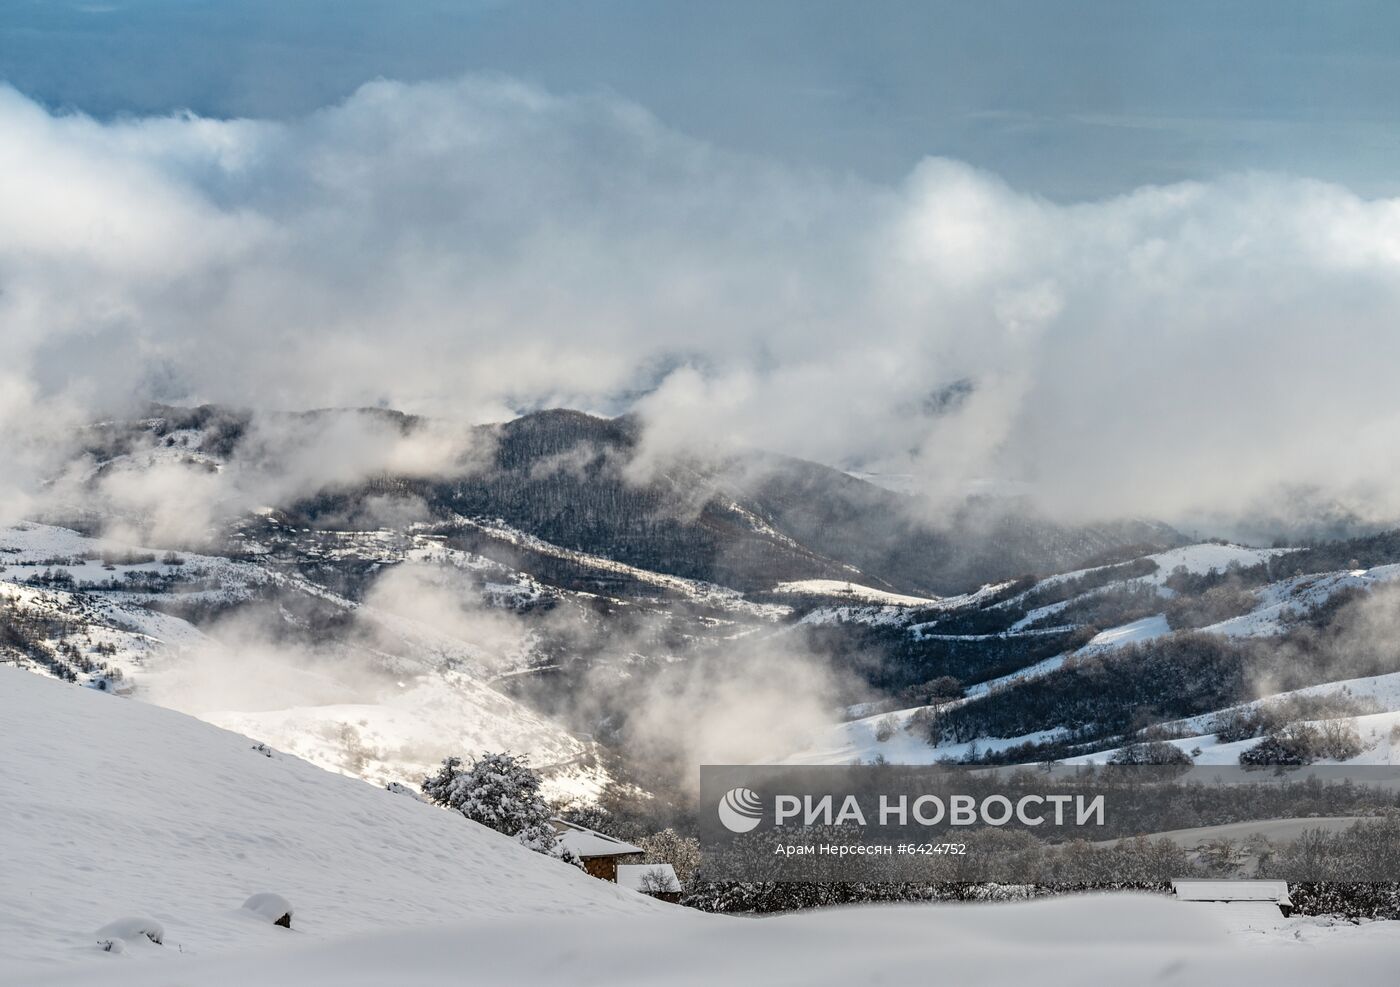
(114, 809)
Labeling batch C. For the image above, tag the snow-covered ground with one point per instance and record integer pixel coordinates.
(28, 550)
(854, 591)
(115, 808)
(119, 815)
(1380, 743)
(1198, 559)
(1290, 599)
(1378, 733)
(1099, 939)
(1209, 557)
(1133, 633)
(860, 740)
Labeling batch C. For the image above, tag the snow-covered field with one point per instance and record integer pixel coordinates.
(122, 816)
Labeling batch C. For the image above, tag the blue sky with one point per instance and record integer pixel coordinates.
(1072, 100)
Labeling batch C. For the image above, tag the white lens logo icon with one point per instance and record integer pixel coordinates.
(740, 810)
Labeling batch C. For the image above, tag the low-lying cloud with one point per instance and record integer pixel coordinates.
(468, 249)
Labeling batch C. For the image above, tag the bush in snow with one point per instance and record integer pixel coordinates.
(1247, 722)
(1284, 747)
(1303, 743)
(273, 907)
(1150, 752)
(886, 727)
(499, 791)
(130, 929)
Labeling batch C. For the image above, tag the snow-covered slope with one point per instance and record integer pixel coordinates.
(1290, 599)
(115, 808)
(1131, 633)
(1379, 733)
(853, 591)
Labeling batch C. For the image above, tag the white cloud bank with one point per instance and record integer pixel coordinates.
(463, 249)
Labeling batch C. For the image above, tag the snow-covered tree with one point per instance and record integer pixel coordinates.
(670, 847)
(499, 791)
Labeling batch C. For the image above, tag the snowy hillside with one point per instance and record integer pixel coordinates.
(1028, 670)
(385, 704)
(115, 808)
(121, 817)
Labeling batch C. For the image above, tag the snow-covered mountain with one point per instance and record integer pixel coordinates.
(374, 592)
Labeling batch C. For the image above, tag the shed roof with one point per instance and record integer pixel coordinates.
(587, 842)
(1275, 891)
(630, 875)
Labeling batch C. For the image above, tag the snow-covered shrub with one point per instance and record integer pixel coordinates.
(1150, 752)
(1338, 740)
(273, 907)
(1246, 722)
(1303, 743)
(1287, 747)
(132, 929)
(499, 791)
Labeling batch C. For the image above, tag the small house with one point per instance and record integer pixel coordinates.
(1257, 905)
(599, 852)
(657, 880)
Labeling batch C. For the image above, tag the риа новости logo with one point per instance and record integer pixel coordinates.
(740, 810)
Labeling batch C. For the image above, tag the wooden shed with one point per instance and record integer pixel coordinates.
(1260, 905)
(599, 852)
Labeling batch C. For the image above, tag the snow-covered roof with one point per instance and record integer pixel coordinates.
(1276, 891)
(630, 875)
(586, 842)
